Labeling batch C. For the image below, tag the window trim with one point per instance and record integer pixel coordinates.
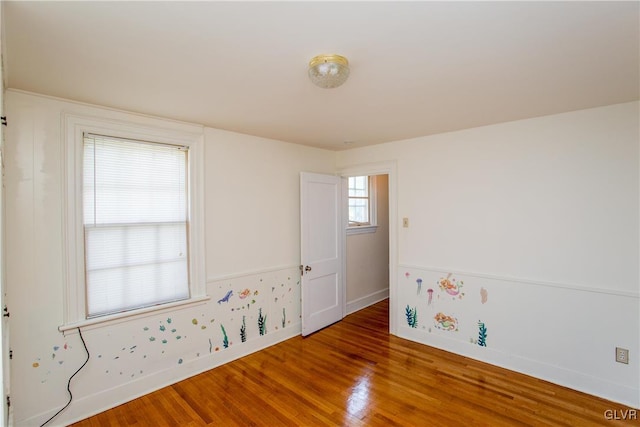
(74, 128)
(372, 226)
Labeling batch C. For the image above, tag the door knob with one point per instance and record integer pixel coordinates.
(307, 269)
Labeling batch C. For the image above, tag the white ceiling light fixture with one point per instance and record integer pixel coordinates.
(328, 71)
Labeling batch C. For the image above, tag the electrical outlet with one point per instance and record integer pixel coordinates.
(622, 355)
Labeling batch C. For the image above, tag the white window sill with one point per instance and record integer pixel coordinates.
(361, 229)
(112, 319)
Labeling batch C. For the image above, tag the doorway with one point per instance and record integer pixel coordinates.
(389, 169)
(367, 243)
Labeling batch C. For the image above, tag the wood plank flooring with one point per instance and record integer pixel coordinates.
(354, 373)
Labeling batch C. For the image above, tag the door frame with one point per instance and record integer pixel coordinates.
(388, 168)
(6, 411)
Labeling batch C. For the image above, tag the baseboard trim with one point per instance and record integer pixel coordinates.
(366, 301)
(554, 374)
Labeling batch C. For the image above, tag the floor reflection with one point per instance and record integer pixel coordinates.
(358, 400)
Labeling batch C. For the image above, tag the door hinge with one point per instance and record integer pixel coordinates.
(10, 354)
(6, 312)
(3, 120)
(8, 401)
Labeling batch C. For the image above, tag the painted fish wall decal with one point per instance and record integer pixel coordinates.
(226, 297)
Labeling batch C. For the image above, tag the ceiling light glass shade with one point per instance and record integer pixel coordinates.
(328, 71)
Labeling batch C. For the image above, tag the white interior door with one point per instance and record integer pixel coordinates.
(323, 296)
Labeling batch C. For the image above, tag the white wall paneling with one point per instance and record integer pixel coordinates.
(530, 327)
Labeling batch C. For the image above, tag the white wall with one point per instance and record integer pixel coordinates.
(253, 201)
(252, 248)
(368, 256)
(541, 215)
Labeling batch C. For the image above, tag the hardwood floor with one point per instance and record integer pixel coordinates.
(354, 373)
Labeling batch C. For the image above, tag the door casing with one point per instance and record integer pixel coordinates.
(381, 168)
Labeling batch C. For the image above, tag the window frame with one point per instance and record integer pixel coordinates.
(372, 226)
(74, 128)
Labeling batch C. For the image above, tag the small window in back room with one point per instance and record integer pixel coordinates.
(361, 201)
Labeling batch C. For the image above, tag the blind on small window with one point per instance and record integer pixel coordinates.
(135, 204)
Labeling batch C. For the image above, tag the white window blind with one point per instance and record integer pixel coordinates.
(136, 219)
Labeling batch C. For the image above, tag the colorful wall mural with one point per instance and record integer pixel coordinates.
(242, 311)
(443, 308)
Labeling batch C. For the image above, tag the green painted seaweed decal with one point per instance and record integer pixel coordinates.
(262, 322)
(225, 339)
(482, 334)
(243, 330)
(412, 316)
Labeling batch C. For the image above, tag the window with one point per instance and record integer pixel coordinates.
(359, 201)
(135, 224)
(362, 209)
(133, 218)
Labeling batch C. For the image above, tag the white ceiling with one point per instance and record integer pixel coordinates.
(417, 68)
